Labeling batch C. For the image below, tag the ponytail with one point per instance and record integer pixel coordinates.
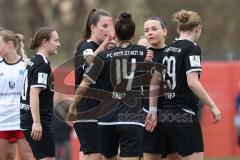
(20, 47)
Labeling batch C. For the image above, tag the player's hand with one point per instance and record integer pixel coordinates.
(36, 133)
(216, 114)
(111, 30)
(108, 41)
(71, 115)
(149, 55)
(151, 121)
(110, 35)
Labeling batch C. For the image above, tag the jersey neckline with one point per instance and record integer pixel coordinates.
(20, 59)
(186, 40)
(90, 41)
(43, 56)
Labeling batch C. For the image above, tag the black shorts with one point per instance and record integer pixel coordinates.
(128, 137)
(87, 133)
(43, 148)
(179, 132)
(151, 142)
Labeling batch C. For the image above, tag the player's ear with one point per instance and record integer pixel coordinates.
(44, 42)
(92, 28)
(134, 34)
(165, 31)
(197, 29)
(10, 44)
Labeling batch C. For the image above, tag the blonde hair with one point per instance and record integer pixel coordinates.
(187, 20)
(17, 40)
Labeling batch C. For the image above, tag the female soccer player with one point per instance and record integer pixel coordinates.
(155, 31)
(37, 96)
(120, 127)
(12, 67)
(96, 37)
(180, 129)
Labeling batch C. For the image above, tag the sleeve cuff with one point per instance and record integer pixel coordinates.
(194, 70)
(38, 86)
(90, 79)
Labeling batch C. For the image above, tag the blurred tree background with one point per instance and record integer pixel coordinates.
(219, 40)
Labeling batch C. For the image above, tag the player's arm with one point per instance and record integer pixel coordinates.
(193, 69)
(197, 88)
(90, 76)
(154, 90)
(39, 82)
(151, 120)
(34, 107)
(79, 93)
(34, 104)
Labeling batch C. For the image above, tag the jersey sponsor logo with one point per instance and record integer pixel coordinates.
(118, 95)
(195, 61)
(87, 52)
(11, 85)
(42, 78)
(173, 49)
(10, 94)
(21, 72)
(24, 107)
(170, 95)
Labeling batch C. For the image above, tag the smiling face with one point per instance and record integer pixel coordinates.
(154, 32)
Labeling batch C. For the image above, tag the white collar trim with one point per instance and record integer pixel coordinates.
(44, 57)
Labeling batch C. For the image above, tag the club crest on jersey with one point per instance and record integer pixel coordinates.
(42, 78)
(1, 74)
(87, 52)
(195, 61)
(11, 85)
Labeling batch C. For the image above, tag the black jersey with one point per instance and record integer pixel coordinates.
(38, 74)
(84, 49)
(181, 58)
(157, 53)
(115, 70)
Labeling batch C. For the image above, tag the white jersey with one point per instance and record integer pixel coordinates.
(11, 85)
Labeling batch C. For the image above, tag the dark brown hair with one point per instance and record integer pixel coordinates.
(160, 19)
(40, 35)
(92, 19)
(187, 20)
(124, 26)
